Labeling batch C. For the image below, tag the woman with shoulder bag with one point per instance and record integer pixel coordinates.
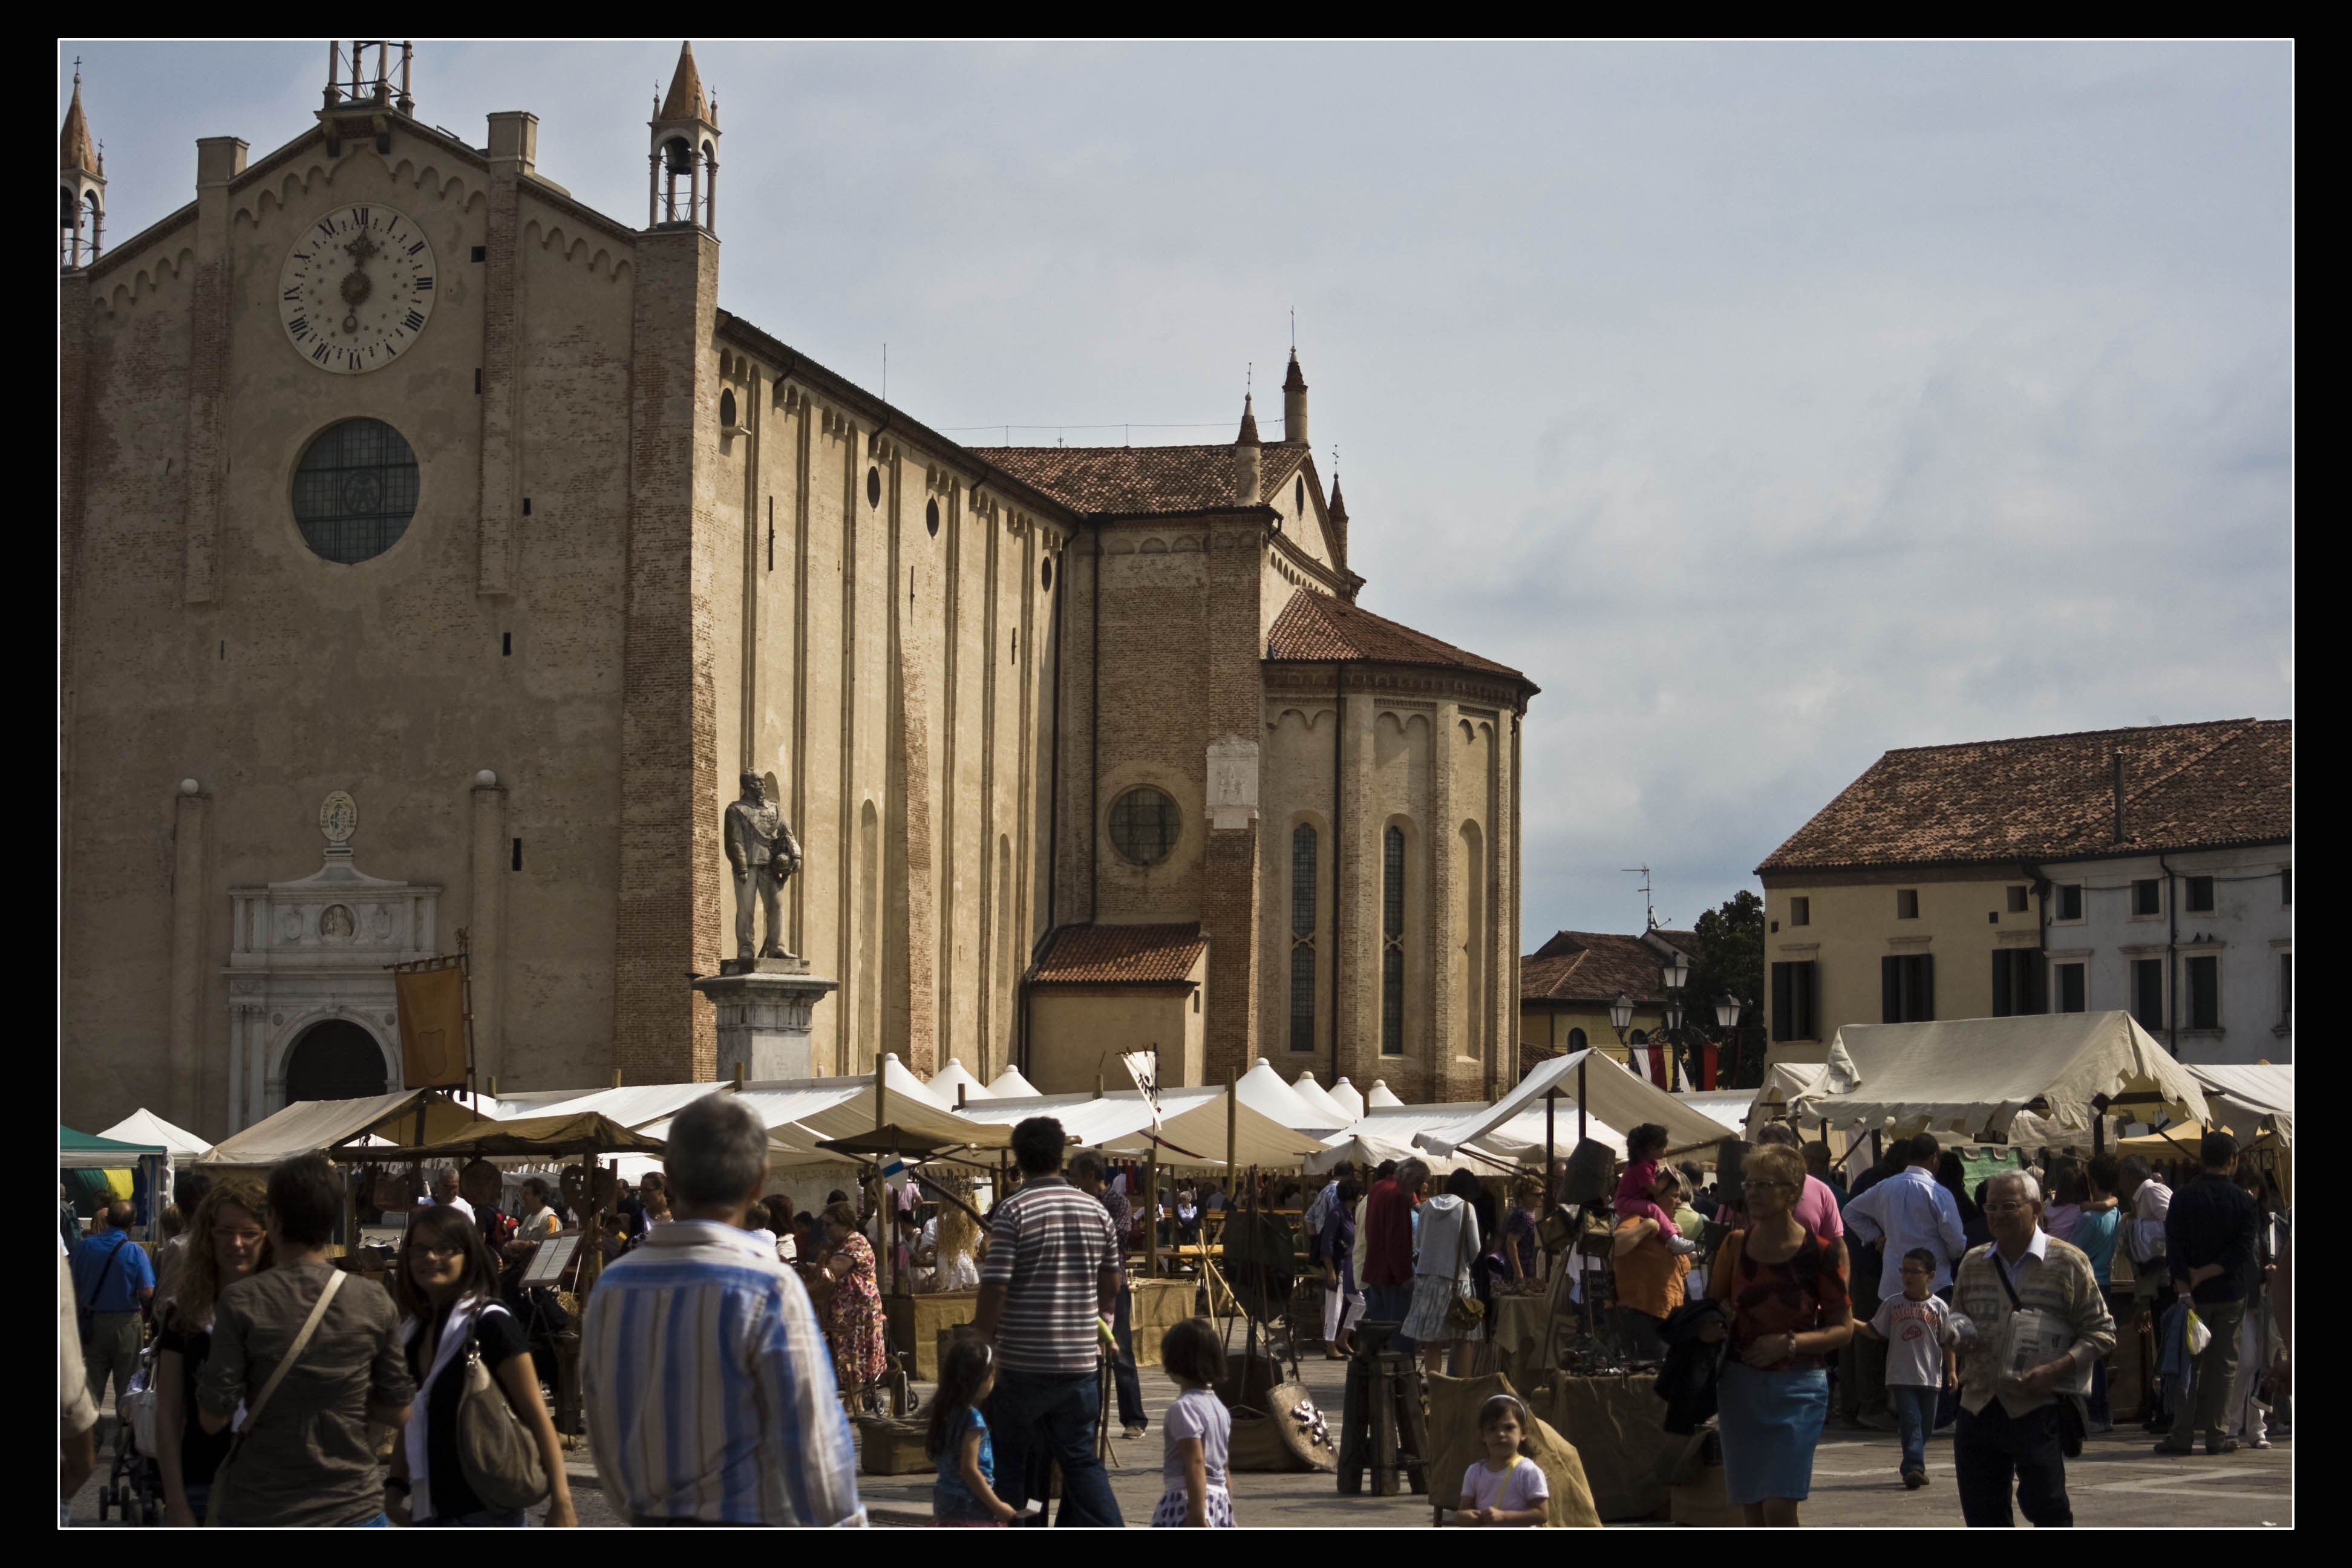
(227, 1242)
(480, 1448)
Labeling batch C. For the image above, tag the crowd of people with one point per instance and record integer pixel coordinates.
(731, 1334)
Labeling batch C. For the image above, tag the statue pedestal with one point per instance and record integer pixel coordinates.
(763, 1014)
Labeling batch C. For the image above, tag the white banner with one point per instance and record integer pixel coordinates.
(1143, 1067)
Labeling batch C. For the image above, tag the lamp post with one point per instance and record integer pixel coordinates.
(1620, 1018)
(1726, 1014)
(1675, 976)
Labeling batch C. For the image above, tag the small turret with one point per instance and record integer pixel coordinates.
(81, 188)
(685, 142)
(1294, 406)
(1339, 524)
(1248, 459)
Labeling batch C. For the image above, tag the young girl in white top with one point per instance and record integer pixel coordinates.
(1505, 1488)
(1199, 1431)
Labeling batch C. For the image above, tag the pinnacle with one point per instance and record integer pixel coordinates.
(1293, 381)
(74, 149)
(1248, 437)
(686, 101)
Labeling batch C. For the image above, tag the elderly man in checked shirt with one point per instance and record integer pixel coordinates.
(709, 1392)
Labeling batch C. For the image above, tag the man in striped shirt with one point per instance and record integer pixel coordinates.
(1046, 1293)
(709, 1392)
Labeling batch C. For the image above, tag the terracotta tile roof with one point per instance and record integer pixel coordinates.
(1594, 966)
(1139, 482)
(1318, 630)
(1121, 955)
(2042, 797)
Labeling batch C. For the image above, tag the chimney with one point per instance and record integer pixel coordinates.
(2119, 794)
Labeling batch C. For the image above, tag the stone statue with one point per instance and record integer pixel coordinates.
(763, 852)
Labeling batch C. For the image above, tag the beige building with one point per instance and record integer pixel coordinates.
(1569, 985)
(1966, 881)
(437, 551)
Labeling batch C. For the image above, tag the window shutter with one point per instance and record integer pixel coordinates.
(2001, 972)
(1783, 1001)
(1808, 1025)
(1890, 989)
(1926, 1010)
(2037, 982)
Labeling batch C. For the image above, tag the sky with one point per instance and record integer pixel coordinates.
(1769, 405)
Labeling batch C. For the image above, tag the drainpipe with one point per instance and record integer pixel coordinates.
(2040, 886)
(1339, 850)
(2172, 963)
(1053, 830)
(1094, 738)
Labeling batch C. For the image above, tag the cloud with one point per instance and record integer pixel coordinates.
(1770, 405)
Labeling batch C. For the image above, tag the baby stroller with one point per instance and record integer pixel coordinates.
(135, 1488)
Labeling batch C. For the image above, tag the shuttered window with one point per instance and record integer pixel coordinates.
(2018, 984)
(1793, 1014)
(1906, 988)
(2069, 987)
(2147, 993)
(2204, 977)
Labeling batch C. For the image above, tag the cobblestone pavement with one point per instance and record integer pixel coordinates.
(2118, 1481)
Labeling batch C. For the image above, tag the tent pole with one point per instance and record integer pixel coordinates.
(1232, 1118)
(1580, 1101)
(1151, 1220)
(1551, 1100)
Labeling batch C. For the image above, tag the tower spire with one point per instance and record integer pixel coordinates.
(685, 144)
(81, 187)
(1248, 461)
(1294, 404)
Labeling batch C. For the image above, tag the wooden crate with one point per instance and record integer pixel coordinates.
(889, 1447)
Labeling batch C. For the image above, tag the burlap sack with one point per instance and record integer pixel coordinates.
(1453, 1406)
(1618, 1425)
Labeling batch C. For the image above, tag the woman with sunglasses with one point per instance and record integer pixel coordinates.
(225, 1242)
(446, 1284)
(1784, 1288)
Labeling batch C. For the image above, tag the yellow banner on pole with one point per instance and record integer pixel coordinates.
(431, 1007)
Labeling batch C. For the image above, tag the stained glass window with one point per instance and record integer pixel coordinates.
(355, 490)
(1144, 825)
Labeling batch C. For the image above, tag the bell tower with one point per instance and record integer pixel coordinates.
(685, 145)
(81, 189)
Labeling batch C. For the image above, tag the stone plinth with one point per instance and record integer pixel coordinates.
(764, 1006)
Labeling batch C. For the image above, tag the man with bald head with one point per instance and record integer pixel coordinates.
(2039, 1322)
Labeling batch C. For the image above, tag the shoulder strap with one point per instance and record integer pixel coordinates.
(90, 1302)
(2000, 1272)
(294, 1353)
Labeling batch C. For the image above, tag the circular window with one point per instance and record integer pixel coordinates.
(355, 490)
(1045, 576)
(873, 487)
(932, 516)
(1143, 826)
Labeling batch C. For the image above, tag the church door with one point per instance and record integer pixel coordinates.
(334, 1060)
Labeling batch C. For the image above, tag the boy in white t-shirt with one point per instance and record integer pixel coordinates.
(1919, 1336)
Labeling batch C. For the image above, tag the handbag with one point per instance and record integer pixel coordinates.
(498, 1455)
(137, 1406)
(224, 1474)
(1464, 1313)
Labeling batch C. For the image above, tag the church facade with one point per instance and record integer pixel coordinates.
(437, 553)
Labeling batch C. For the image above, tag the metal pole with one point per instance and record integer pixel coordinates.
(1151, 1220)
(1579, 1102)
(1551, 1100)
(1232, 1118)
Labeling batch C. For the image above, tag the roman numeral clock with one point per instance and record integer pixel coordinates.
(357, 288)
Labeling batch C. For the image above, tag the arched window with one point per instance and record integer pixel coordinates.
(1392, 944)
(336, 1060)
(727, 409)
(355, 490)
(1302, 937)
(1144, 825)
(1576, 1041)
(1638, 1038)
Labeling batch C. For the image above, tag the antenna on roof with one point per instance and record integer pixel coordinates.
(1649, 910)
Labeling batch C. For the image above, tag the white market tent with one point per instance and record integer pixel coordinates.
(1613, 1096)
(1346, 1095)
(1319, 1100)
(2245, 1099)
(143, 1126)
(1388, 1134)
(312, 1126)
(1010, 1085)
(1974, 1075)
(1262, 1089)
(1728, 1106)
(800, 1112)
(1192, 1127)
(954, 1076)
(1379, 1094)
(635, 1106)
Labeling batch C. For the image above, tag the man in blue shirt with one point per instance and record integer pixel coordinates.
(113, 1278)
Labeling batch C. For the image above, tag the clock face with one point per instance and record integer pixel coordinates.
(357, 288)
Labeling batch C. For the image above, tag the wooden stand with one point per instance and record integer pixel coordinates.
(1382, 1426)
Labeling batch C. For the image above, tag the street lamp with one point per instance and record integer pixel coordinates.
(1726, 1014)
(1674, 976)
(1621, 1015)
(1678, 971)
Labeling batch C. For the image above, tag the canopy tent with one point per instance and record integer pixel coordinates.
(954, 1076)
(1728, 1106)
(1785, 1083)
(1347, 1097)
(1517, 1143)
(309, 1126)
(2179, 1144)
(800, 1112)
(1196, 1138)
(1321, 1103)
(1379, 1094)
(1613, 1096)
(91, 1151)
(143, 1126)
(1262, 1089)
(632, 1105)
(1974, 1075)
(1093, 1120)
(1010, 1085)
(558, 1137)
(2250, 1100)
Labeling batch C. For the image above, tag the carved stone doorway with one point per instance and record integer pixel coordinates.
(334, 1059)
